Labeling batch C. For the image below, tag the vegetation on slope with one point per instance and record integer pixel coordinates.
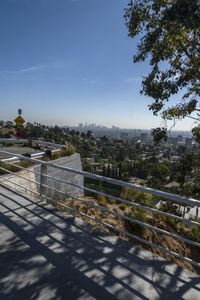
(89, 205)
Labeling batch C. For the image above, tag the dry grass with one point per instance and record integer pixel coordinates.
(167, 224)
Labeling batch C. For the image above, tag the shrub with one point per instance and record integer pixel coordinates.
(8, 167)
(56, 155)
(172, 222)
(140, 215)
(196, 233)
(111, 201)
(69, 150)
(170, 207)
(101, 200)
(138, 197)
(122, 206)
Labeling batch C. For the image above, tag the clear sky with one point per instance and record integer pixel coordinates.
(70, 61)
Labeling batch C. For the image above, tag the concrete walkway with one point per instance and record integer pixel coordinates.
(46, 255)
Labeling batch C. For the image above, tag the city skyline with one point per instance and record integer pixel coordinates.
(91, 126)
(65, 62)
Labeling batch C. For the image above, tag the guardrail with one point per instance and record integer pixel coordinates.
(34, 141)
(44, 187)
(36, 155)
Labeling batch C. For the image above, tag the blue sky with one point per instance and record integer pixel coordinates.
(70, 61)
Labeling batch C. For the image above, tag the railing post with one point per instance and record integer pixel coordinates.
(43, 179)
(197, 212)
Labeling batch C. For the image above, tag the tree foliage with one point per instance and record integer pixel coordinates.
(184, 167)
(169, 32)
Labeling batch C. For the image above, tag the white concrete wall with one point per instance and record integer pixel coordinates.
(72, 161)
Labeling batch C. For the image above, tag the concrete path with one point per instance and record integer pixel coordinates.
(46, 255)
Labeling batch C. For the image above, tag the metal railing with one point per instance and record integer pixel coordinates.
(38, 142)
(45, 188)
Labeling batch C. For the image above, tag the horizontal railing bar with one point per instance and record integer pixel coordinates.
(132, 203)
(162, 231)
(56, 202)
(147, 208)
(64, 181)
(114, 198)
(22, 168)
(25, 188)
(55, 190)
(114, 213)
(119, 230)
(165, 250)
(37, 141)
(17, 174)
(166, 195)
(139, 222)
(22, 157)
(137, 205)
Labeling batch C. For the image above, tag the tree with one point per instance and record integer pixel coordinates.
(83, 135)
(89, 134)
(158, 172)
(184, 168)
(169, 32)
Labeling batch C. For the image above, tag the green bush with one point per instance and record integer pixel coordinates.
(101, 200)
(56, 155)
(140, 215)
(138, 197)
(196, 234)
(69, 150)
(8, 167)
(172, 222)
(12, 168)
(111, 201)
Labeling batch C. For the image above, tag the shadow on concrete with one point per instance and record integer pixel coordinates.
(45, 254)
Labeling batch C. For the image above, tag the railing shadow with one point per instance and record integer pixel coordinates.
(47, 254)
